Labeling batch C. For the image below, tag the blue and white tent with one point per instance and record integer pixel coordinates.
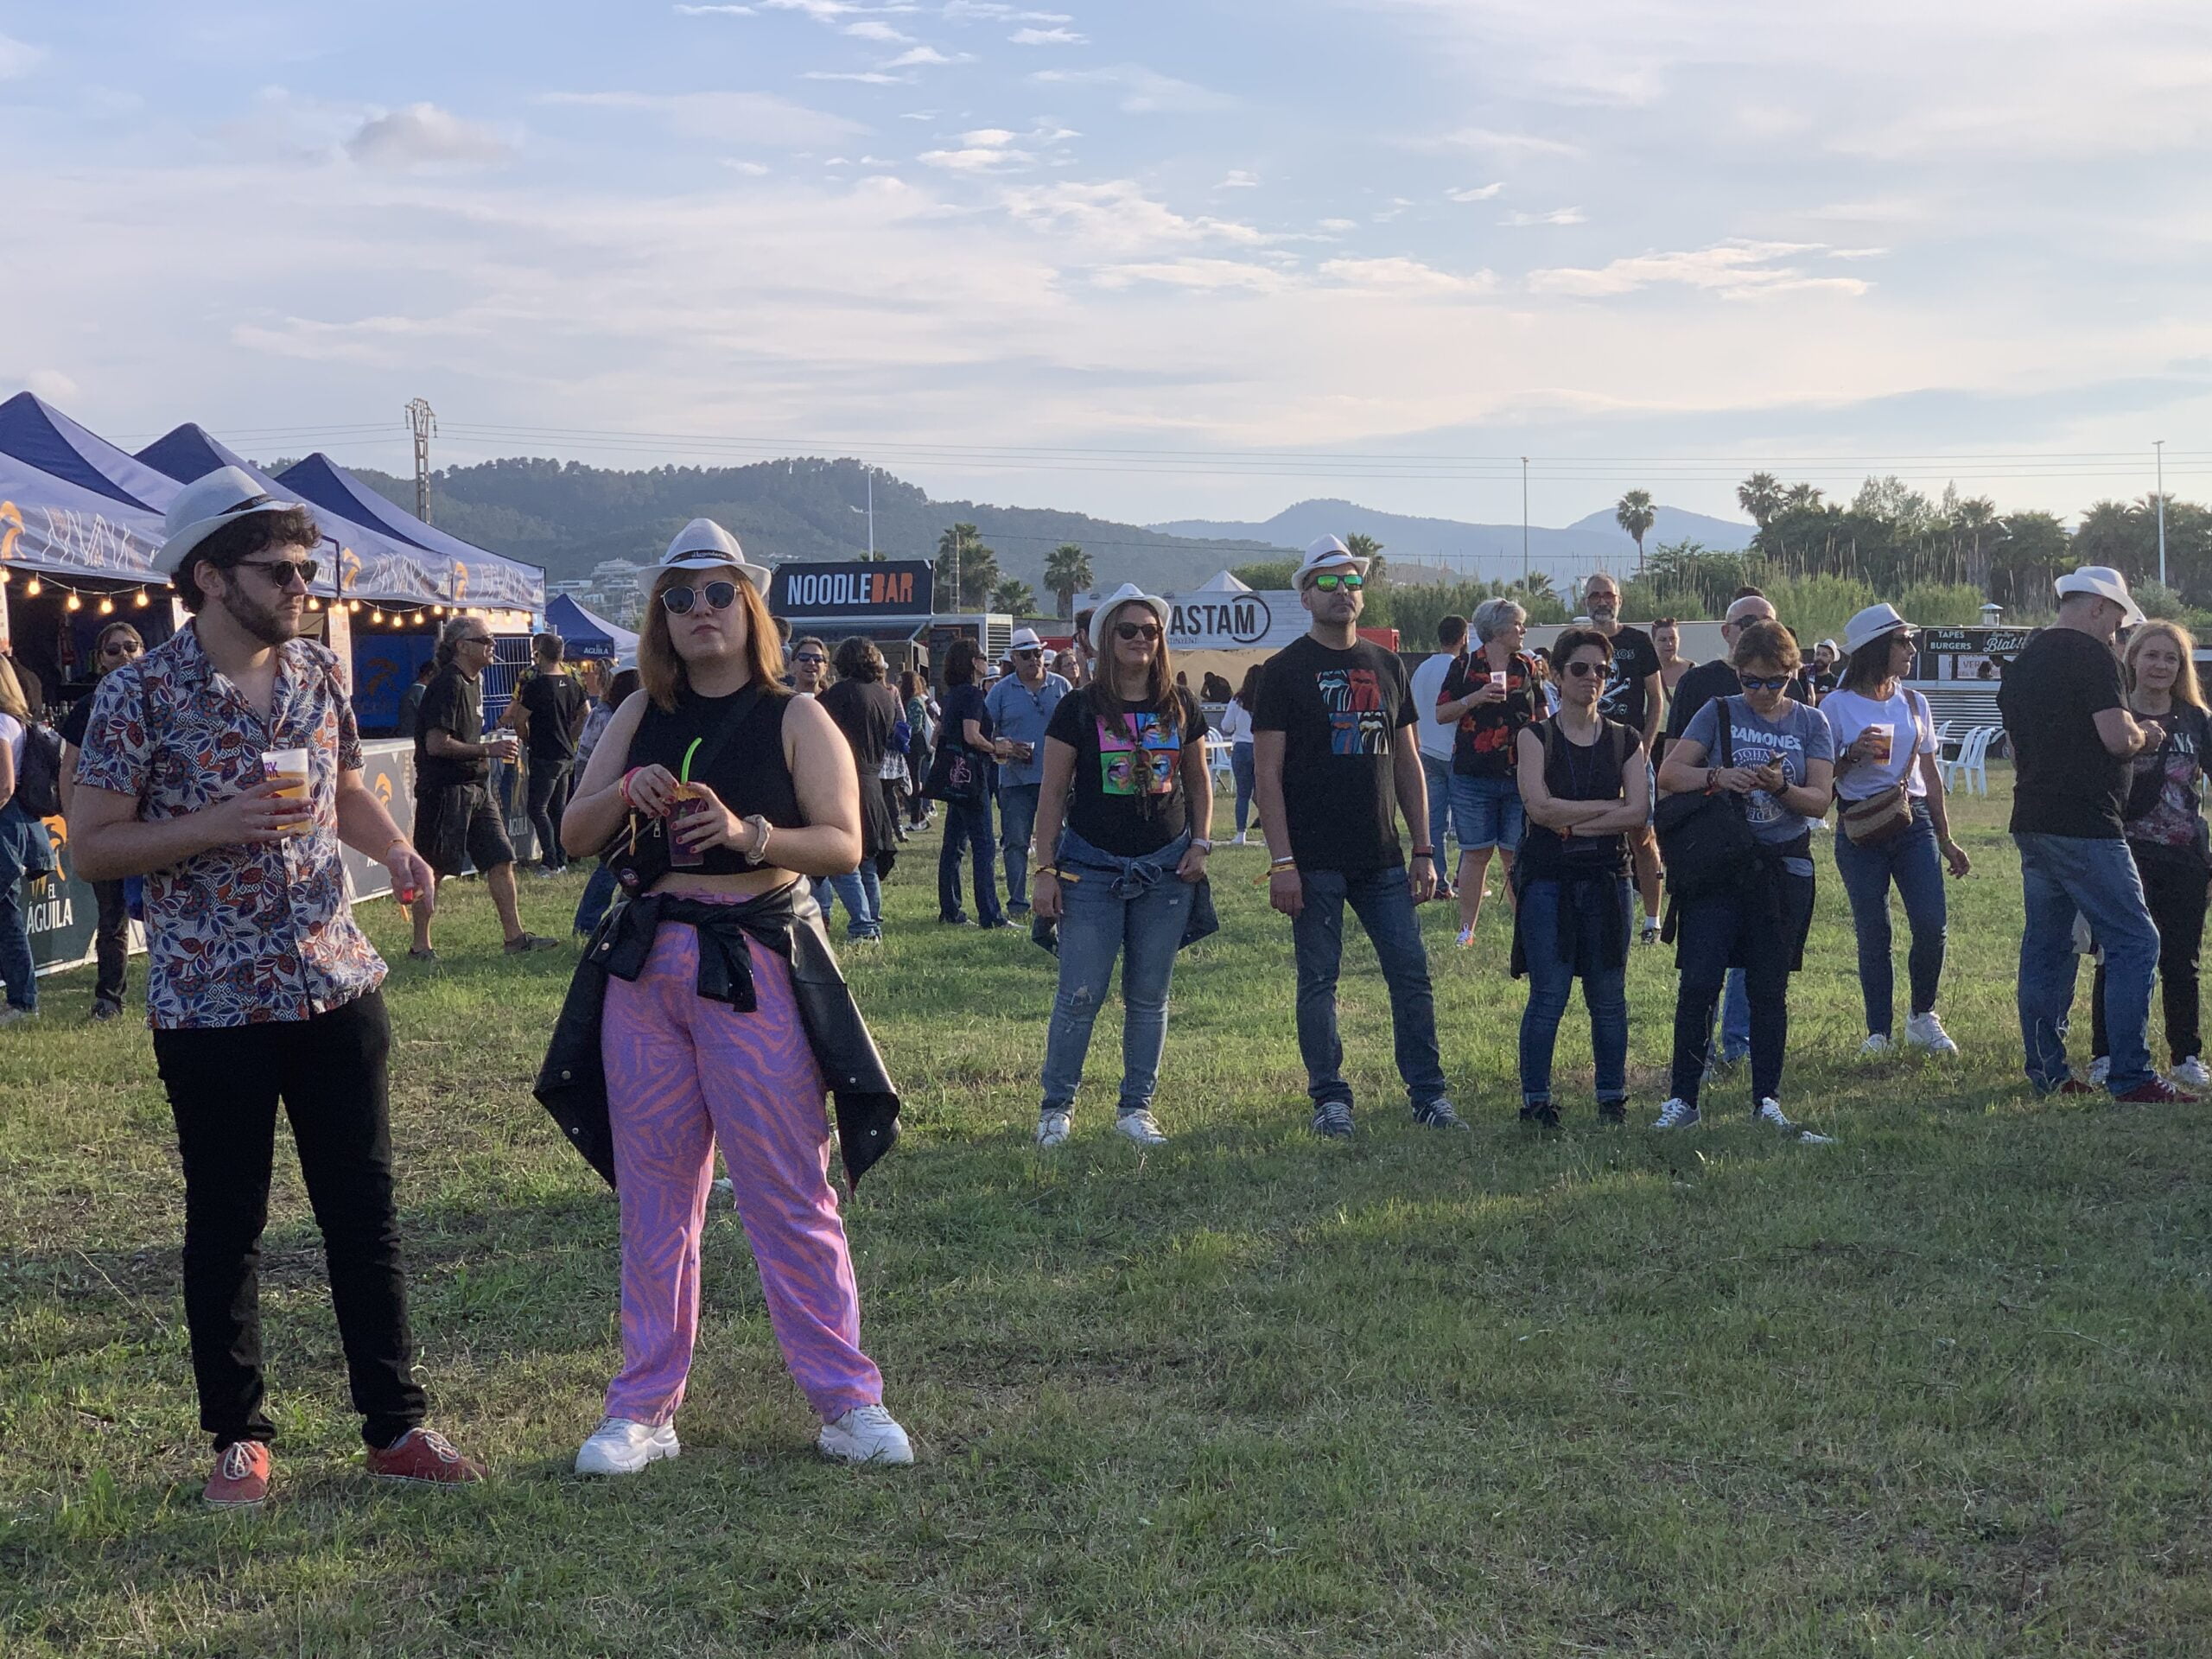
(586, 634)
(73, 503)
(477, 577)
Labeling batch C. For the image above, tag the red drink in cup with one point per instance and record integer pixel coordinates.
(690, 801)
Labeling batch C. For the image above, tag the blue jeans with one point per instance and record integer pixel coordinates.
(1735, 1019)
(599, 894)
(968, 828)
(1135, 908)
(1017, 823)
(21, 857)
(2061, 877)
(1551, 980)
(1246, 771)
(1383, 901)
(1912, 860)
(862, 892)
(1439, 774)
(1485, 813)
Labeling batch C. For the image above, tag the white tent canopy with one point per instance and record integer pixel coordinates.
(1224, 582)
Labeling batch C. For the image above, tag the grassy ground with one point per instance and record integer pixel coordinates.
(1940, 1389)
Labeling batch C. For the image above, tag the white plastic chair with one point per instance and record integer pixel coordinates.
(1971, 768)
(1218, 751)
(1942, 736)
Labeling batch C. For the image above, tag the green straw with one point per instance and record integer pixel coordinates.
(684, 776)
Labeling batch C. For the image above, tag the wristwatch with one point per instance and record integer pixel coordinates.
(1200, 844)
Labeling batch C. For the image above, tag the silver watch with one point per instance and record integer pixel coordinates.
(1200, 844)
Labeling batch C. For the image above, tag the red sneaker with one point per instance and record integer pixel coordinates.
(2075, 1086)
(2156, 1092)
(241, 1476)
(424, 1455)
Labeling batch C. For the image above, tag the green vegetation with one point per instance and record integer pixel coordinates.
(1942, 1389)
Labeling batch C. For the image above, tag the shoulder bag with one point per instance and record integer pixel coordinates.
(1705, 839)
(1887, 813)
(639, 854)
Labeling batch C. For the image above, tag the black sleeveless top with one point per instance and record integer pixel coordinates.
(740, 758)
(1574, 773)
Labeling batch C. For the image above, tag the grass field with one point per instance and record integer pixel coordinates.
(1941, 1390)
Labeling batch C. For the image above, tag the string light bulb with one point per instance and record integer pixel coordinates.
(139, 600)
(376, 616)
(107, 605)
(74, 603)
(353, 606)
(33, 589)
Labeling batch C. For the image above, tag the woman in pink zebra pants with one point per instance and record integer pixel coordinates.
(755, 789)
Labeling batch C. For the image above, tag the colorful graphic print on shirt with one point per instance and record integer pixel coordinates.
(1357, 723)
(1138, 758)
(1756, 746)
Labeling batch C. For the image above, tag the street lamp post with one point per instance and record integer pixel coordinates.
(2160, 446)
(871, 514)
(1524, 523)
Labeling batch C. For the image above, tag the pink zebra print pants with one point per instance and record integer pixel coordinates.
(683, 1074)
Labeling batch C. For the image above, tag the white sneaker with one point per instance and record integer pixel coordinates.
(1051, 1129)
(1926, 1031)
(1140, 1127)
(865, 1434)
(1877, 1042)
(2098, 1071)
(1770, 1114)
(620, 1446)
(2191, 1074)
(1239, 840)
(1676, 1114)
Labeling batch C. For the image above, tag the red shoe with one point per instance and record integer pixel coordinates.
(2156, 1092)
(424, 1455)
(2075, 1086)
(241, 1476)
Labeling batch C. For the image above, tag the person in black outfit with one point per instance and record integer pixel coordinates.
(118, 642)
(866, 710)
(1636, 697)
(549, 712)
(411, 701)
(965, 733)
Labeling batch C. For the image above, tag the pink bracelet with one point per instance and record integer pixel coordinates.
(623, 788)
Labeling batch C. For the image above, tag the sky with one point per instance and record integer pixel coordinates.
(1153, 261)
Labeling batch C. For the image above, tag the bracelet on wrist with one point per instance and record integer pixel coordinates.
(623, 787)
(396, 840)
(1284, 863)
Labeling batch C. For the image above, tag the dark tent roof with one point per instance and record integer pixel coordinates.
(479, 577)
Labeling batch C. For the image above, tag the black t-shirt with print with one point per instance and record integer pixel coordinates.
(552, 701)
(1340, 713)
(1626, 696)
(454, 704)
(1127, 798)
(2065, 782)
(1482, 744)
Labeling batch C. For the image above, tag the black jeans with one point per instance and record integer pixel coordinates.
(549, 799)
(2175, 886)
(112, 943)
(224, 1085)
(1738, 928)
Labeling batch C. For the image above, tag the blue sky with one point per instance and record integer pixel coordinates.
(1150, 260)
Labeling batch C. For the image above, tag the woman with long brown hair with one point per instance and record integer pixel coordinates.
(731, 1012)
(1125, 805)
(24, 851)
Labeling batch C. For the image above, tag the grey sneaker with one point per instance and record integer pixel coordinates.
(1333, 1120)
(1436, 1115)
(1770, 1114)
(107, 1008)
(1676, 1114)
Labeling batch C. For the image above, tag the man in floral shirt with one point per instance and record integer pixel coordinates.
(260, 987)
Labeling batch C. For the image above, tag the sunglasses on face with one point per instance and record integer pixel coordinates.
(121, 648)
(719, 596)
(1351, 581)
(1582, 670)
(1026, 656)
(811, 658)
(1765, 683)
(1137, 631)
(280, 572)
(484, 639)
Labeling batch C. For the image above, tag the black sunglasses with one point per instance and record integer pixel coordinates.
(1136, 630)
(281, 571)
(681, 602)
(813, 658)
(120, 647)
(1767, 682)
(1586, 670)
(1029, 653)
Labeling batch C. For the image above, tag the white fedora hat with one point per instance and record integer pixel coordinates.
(2105, 583)
(1325, 553)
(1869, 626)
(703, 544)
(1127, 594)
(204, 506)
(1025, 639)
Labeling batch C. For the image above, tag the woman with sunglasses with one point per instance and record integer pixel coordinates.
(1775, 763)
(1125, 805)
(1886, 755)
(733, 1011)
(965, 745)
(118, 643)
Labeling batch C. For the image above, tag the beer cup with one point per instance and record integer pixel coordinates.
(289, 767)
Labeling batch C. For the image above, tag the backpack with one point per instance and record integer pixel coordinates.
(38, 780)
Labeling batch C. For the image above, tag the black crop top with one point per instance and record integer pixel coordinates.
(744, 765)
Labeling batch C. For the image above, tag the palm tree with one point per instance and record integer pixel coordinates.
(1636, 515)
(1361, 545)
(1761, 496)
(1975, 515)
(974, 567)
(1801, 498)
(1013, 596)
(1067, 572)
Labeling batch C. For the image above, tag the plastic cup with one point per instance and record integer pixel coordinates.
(1881, 735)
(1497, 681)
(290, 767)
(689, 802)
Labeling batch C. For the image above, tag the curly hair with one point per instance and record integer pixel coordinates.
(234, 544)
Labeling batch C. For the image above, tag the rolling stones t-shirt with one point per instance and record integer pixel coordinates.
(1127, 798)
(1341, 714)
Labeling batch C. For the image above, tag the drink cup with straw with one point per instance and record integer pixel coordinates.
(689, 802)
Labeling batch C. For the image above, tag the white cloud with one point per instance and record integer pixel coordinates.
(1144, 92)
(925, 57)
(1119, 217)
(865, 77)
(751, 169)
(988, 137)
(727, 117)
(18, 58)
(1733, 270)
(1048, 37)
(1238, 179)
(423, 134)
(53, 385)
(875, 31)
(1339, 224)
(1492, 141)
(976, 158)
(919, 115)
(1409, 277)
(1478, 193)
(716, 11)
(983, 11)
(1556, 216)
(1213, 276)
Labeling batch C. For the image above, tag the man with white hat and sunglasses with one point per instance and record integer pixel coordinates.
(2073, 740)
(225, 767)
(1021, 705)
(1335, 765)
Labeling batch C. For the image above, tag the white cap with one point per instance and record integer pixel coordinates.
(2105, 583)
(1127, 594)
(204, 506)
(703, 544)
(1026, 639)
(1325, 553)
(1869, 626)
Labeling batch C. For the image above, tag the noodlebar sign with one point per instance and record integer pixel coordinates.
(860, 588)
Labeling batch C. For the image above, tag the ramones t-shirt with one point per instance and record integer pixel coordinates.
(1127, 796)
(1340, 713)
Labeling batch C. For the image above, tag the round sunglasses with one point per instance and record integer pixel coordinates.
(682, 601)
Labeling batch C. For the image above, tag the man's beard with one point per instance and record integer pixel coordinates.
(273, 625)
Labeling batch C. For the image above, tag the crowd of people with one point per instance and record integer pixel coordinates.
(733, 787)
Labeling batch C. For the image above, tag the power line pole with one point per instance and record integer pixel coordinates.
(423, 423)
(2160, 446)
(1524, 523)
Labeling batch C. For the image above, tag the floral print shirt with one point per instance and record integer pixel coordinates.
(254, 932)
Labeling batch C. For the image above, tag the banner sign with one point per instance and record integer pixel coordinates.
(1975, 642)
(860, 588)
(1214, 621)
(61, 911)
